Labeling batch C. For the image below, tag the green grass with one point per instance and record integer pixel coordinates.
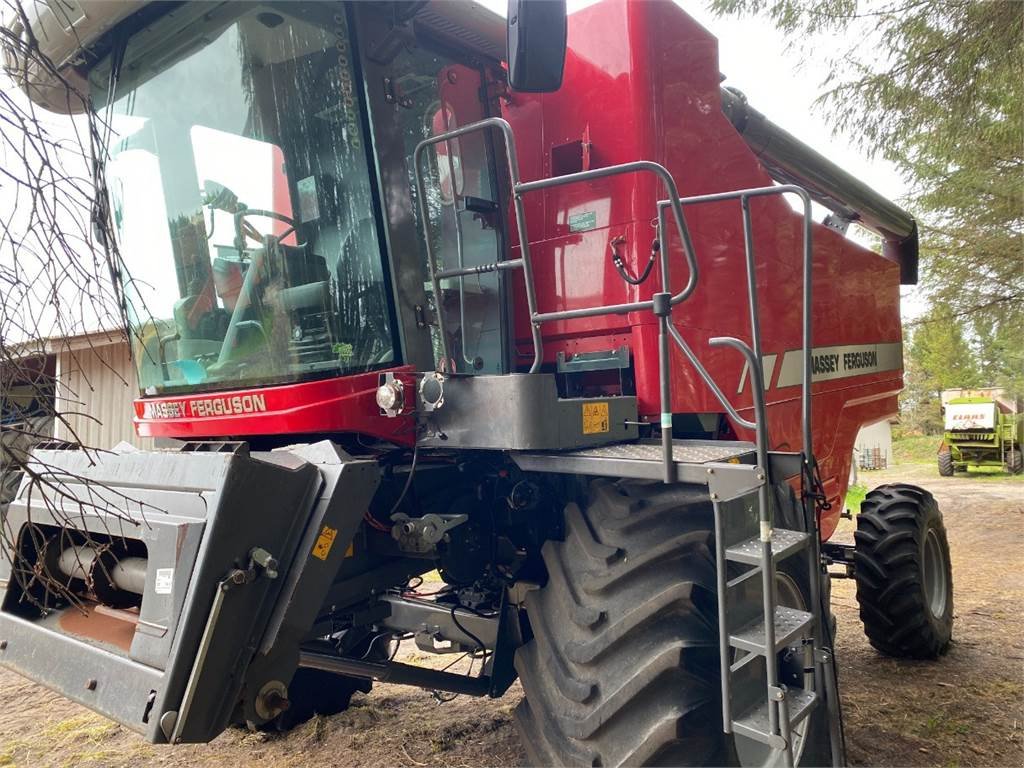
(915, 449)
(923, 449)
(854, 496)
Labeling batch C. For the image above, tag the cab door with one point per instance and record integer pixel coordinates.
(415, 92)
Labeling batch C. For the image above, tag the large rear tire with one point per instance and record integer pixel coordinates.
(946, 463)
(623, 666)
(903, 573)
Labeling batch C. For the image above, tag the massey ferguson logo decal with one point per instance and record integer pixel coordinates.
(830, 363)
(849, 361)
(205, 407)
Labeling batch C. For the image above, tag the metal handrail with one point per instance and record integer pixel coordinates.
(526, 265)
(520, 188)
(669, 330)
(661, 304)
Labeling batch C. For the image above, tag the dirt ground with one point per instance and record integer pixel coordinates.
(967, 709)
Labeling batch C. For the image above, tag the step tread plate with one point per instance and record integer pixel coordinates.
(789, 623)
(784, 543)
(754, 722)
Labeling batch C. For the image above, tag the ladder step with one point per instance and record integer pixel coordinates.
(754, 722)
(753, 573)
(789, 624)
(784, 544)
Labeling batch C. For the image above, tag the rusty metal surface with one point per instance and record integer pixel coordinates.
(98, 624)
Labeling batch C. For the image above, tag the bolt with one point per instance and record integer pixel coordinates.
(711, 471)
(714, 495)
(759, 475)
(452, 77)
(90, 684)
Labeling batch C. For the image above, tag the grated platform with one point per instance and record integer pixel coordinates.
(642, 459)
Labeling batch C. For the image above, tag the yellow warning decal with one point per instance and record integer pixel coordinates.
(324, 542)
(595, 418)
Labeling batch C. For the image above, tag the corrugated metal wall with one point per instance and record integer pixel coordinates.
(97, 382)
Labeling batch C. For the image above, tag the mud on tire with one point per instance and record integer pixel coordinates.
(903, 573)
(623, 666)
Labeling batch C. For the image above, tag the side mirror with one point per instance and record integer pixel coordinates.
(536, 45)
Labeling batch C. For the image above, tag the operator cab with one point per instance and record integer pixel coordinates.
(260, 183)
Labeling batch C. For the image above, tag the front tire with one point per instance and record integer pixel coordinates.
(623, 666)
(945, 463)
(903, 573)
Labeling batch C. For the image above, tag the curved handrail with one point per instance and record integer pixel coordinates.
(519, 188)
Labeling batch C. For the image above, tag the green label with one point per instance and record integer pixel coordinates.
(581, 222)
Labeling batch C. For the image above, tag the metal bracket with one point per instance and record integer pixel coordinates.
(730, 481)
(604, 360)
(393, 94)
(422, 534)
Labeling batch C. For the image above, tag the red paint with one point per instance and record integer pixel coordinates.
(642, 82)
(647, 79)
(328, 406)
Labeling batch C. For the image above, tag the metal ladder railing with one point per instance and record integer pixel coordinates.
(773, 721)
(520, 188)
(767, 548)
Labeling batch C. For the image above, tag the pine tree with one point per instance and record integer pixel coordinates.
(936, 86)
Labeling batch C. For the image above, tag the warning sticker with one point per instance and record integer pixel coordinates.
(324, 542)
(595, 418)
(164, 581)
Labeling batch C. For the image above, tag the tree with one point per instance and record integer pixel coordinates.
(57, 254)
(938, 357)
(936, 86)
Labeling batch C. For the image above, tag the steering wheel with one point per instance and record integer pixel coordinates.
(244, 229)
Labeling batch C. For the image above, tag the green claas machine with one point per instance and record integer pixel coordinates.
(981, 431)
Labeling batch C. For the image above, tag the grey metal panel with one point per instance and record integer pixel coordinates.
(66, 665)
(435, 620)
(223, 506)
(173, 546)
(349, 486)
(521, 412)
(643, 460)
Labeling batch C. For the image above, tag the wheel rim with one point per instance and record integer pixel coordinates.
(934, 577)
(753, 753)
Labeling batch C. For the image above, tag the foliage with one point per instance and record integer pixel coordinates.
(936, 86)
(938, 357)
(854, 496)
(57, 253)
(915, 449)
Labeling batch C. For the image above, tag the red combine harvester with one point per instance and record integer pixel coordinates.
(523, 303)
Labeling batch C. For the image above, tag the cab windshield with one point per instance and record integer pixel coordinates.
(241, 197)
